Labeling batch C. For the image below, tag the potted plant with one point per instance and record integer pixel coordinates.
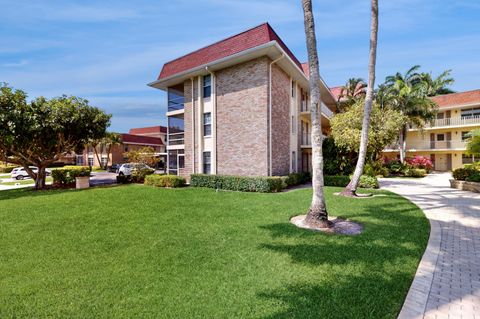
(82, 179)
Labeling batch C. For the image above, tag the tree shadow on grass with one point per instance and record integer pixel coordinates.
(367, 295)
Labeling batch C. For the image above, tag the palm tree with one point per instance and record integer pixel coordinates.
(411, 77)
(439, 85)
(354, 89)
(408, 96)
(95, 143)
(110, 140)
(351, 188)
(317, 214)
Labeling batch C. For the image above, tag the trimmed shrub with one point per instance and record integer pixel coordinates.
(139, 174)
(165, 180)
(339, 180)
(375, 169)
(7, 169)
(368, 182)
(461, 174)
(66, 176)
(342, 181)
(475, 177)
(294, 179)
(124, 179)
(415, 172)
(238, 183)
(475, 165)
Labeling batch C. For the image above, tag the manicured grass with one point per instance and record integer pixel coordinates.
(137, 251)
(25, 182)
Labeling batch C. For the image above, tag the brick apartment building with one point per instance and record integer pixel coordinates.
(136, 138)
(240, 107)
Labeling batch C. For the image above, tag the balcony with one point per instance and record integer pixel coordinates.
(176, 139)
(430, 146)
(305, 107)
(306, 140)
(449, 122)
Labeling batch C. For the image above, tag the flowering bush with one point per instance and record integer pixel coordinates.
(420, 162)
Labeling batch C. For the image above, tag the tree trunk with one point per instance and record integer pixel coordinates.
(96, 155)
(317, 214)
(403, 143)
(351, 188)
(41, 177)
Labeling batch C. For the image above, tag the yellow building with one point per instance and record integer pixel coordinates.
(444, 141)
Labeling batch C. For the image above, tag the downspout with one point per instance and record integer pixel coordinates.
(214, 119)
(193, 128)
(270, 114)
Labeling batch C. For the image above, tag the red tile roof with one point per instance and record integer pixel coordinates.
(143, 140)
(460, 98)
(336, 91)
(249, 39)
(148, 130)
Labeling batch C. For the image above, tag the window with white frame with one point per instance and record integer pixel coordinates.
(104, 161)
(90, 161)
(207, 162)
(207, 124)
(440, 137)
(79, 160)
(293, 88)
(294, 161)
(293, 124)
(467, 159)
(207, 86)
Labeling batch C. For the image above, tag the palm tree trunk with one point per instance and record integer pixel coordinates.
(317, 214)
(96, 155)
(351, 188)
(402, 143)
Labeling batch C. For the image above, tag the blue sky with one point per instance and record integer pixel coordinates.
(107, 51)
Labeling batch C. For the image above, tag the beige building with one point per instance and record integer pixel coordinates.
(240, 107)
(444, 141)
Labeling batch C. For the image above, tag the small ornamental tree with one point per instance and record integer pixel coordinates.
(37, 133)
(473, 143)
(145, 155)
(383, 130)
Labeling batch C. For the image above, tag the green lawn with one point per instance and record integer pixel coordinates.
(136, 251)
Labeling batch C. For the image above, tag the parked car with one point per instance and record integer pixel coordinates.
(20, 173)
(114, 168)
(126, 169)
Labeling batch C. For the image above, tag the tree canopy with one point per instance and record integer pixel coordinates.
(38, 132)
(473, 143)
(384, 128)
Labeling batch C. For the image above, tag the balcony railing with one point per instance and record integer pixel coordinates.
(306, 139)
(432, 145)
(325, 110)
(176, 139)
(454, 122)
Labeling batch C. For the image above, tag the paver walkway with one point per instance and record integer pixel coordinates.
(447, 282)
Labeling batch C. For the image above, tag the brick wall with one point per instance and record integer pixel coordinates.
(281, 123)
(242, 102)
(188, 127)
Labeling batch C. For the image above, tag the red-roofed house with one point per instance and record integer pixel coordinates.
(129, 142)
(154, 131)
(444, 140)
(239, 107)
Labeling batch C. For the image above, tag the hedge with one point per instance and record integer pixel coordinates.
(342, 181)
(165, 180)
(7, 169)
(66, 175)
(294, 179)
(415, 172)
(238, 183)
(466, 174)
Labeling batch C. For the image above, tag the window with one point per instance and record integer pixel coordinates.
(440, 116)
(471, 113)
(467, 159)
(207, 124)
(294, 161)
(207, 86)
(90, 161)
(176, 98)
(79, 160)
(176, 127)
(465, 136)
(293, 88)
(440, 137)
(104, 161)
(293, 124)
(126, 148)
(176, 160)
(207, 162)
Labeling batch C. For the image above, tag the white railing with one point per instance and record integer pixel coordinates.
(306, 139)
(453, 122)
(325, 110)
(436, 145)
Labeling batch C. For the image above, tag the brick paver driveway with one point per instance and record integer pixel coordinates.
(447, 282)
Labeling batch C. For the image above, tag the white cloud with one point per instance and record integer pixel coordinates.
(15, 64)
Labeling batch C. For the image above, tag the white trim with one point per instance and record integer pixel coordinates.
(176, 112)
